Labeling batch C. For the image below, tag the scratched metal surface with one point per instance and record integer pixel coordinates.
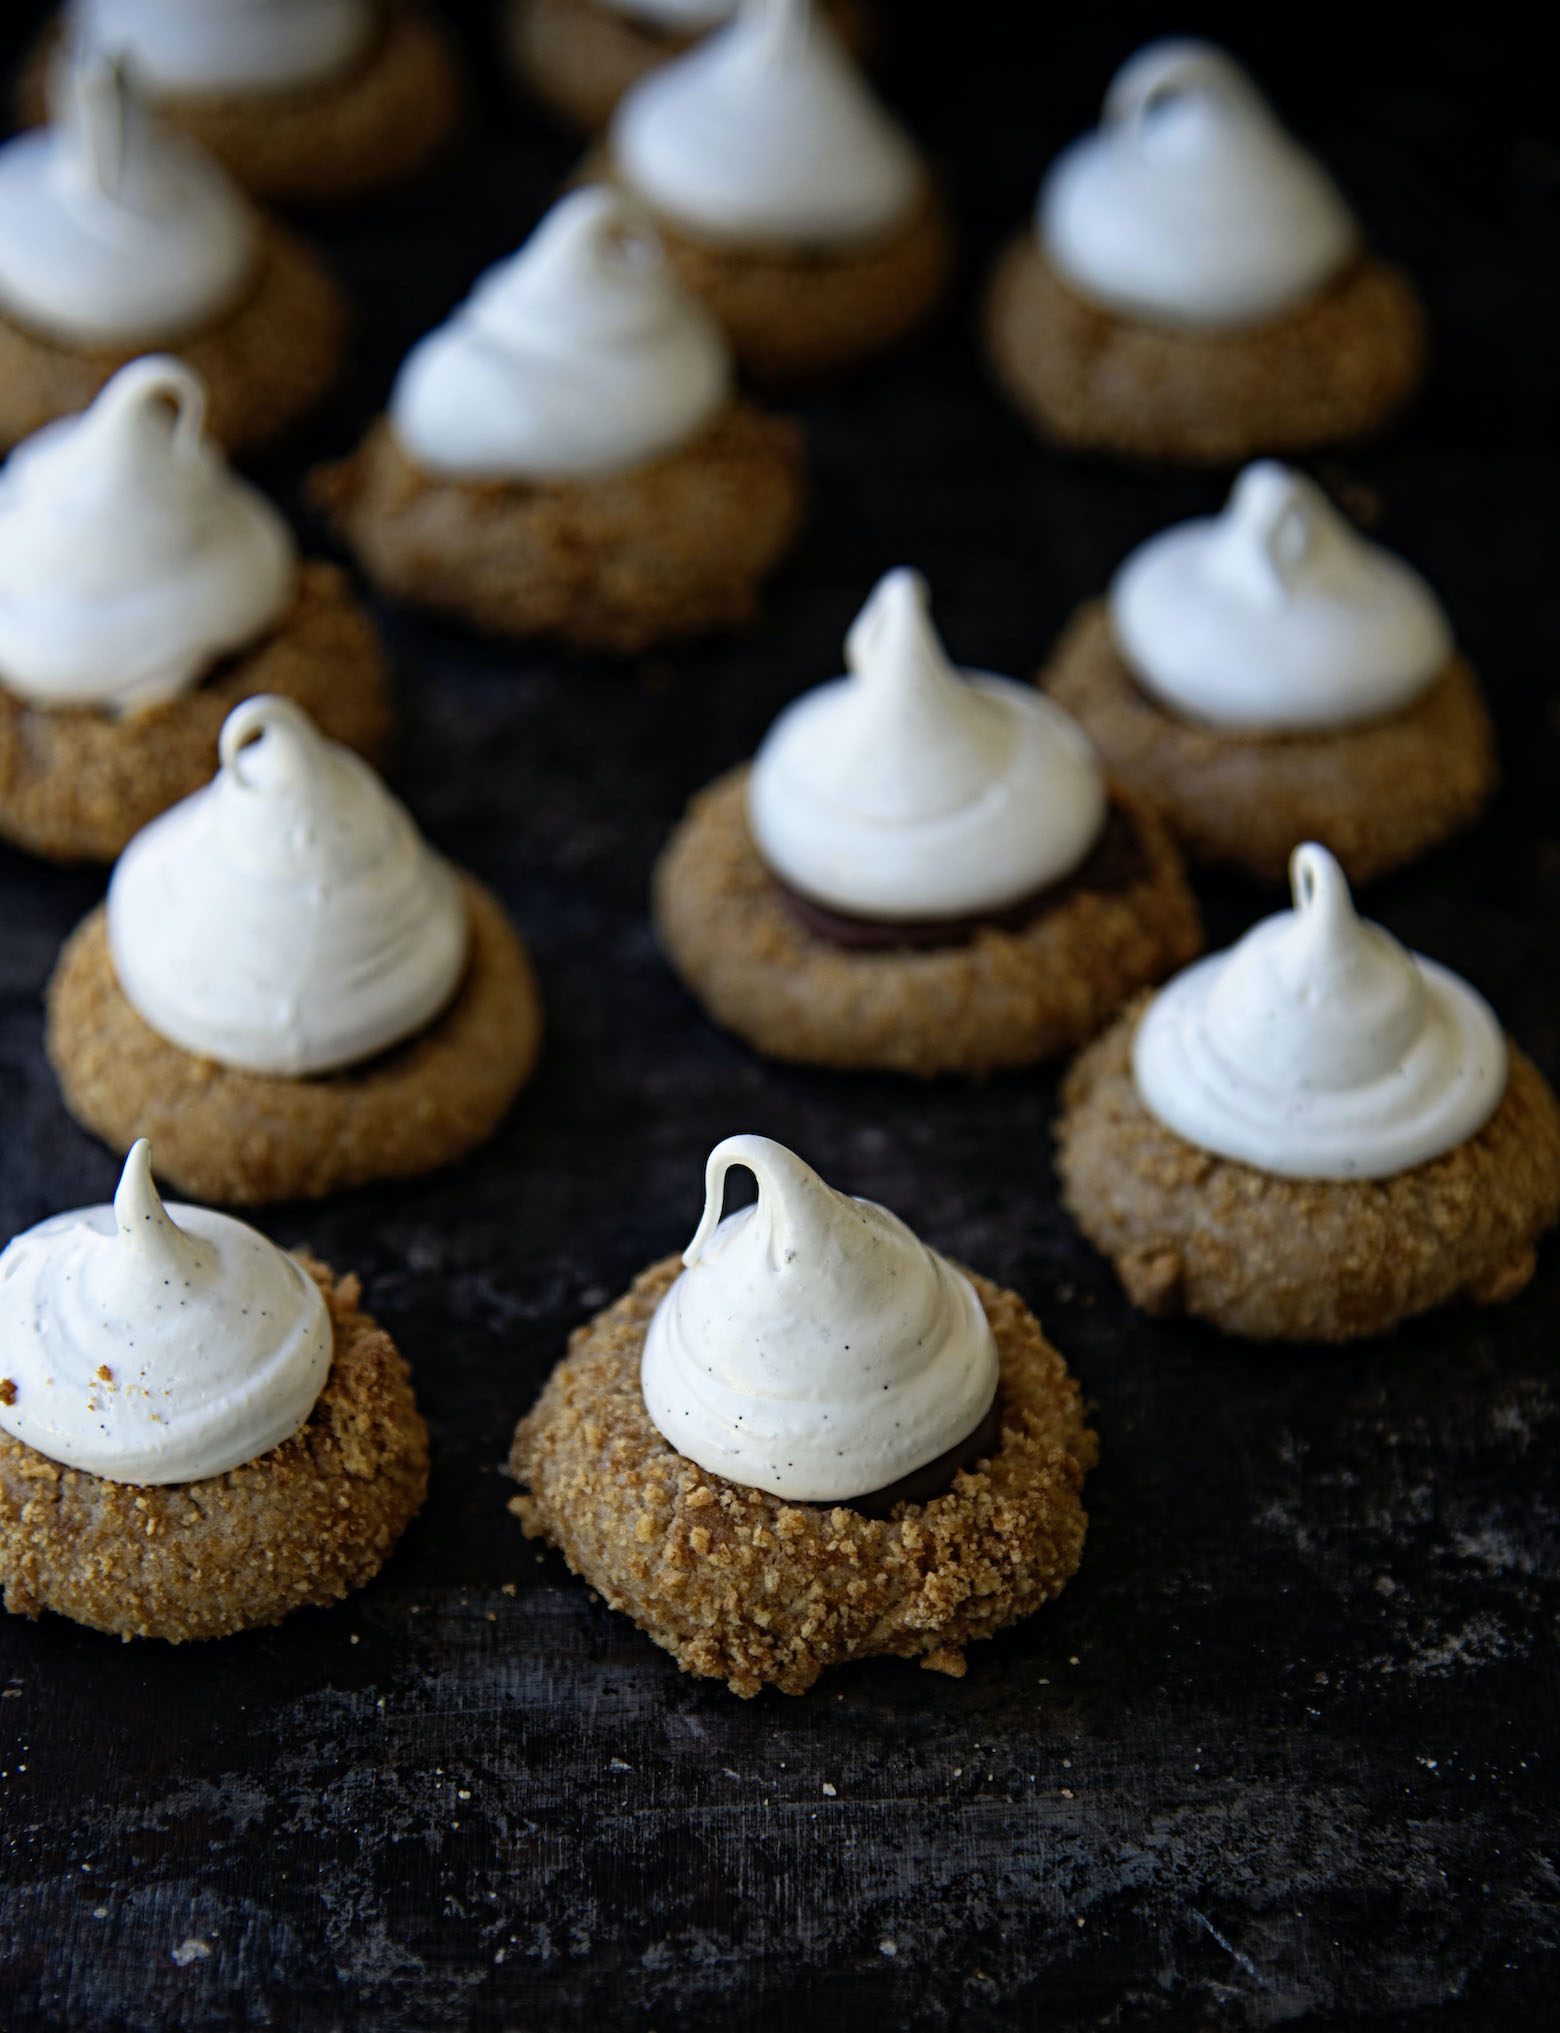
(1285, 1753)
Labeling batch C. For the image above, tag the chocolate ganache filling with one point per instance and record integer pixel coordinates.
(1115, 862)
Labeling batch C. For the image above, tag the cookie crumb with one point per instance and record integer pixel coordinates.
(7, 1391)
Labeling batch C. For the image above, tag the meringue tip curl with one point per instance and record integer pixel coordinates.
(147, 384)
(144, 1222)
(893, 642)
(789, 1192)
(294, 747)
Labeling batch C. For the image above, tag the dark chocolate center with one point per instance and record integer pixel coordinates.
(1115, 862)
(935, 1477)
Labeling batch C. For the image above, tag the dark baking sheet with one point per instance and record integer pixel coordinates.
(1285, 1752)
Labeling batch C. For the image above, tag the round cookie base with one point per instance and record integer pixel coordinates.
(265, 363)
(1377, 795)
(363, 131)
(250, 1138)
(796, 315)
(749, 1588)
(303, 1525)
(76, 785)
(1003, 998)
(672, 549)
(1276, 1259)
(1337, 369)
(578, 59)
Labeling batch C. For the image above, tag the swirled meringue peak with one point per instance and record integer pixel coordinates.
(289, 918)
(911, 791)
(579, 356)
(813, 1347)
(200, 46)
(767, 132)
(152, 1344)
(1277, 616)
(1189, 204)
(114, 231)
(1318, 1048)
(131, 557)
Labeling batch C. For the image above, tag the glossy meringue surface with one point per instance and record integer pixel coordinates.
(909, 790)
(579, 356)
(131, 556)
(1318, 1048)
(213, 46)
(813, 1347)
(150, 1344)
(1190, 204)
(1277, 615)
(114, 230)
(289, 918)
(767, 132)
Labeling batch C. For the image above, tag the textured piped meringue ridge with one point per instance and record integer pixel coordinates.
(1317, 1048)
(685, 17)
(813, 1347)
(289, 918)
(200, 46)
(152, 1344)
(579, 356)
(1277, 616)
(114, 231)
(767, 133)
(131, 556)
(1189, 204)
(909, 790)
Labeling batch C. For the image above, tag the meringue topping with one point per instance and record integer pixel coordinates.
(911, 791)
(766, 132)
(152, 1344)
(289, 918)
(131, 557)
(579, 356)
(1318, 1048)
(813, 1347)
(201, 46)
(1277, 616)
(1189, 203)
(113, 230)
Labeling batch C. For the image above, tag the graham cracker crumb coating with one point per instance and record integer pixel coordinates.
(265, 363)
(672, 549)
(365, 129)
(249, 1138)
(1006, 998)
(579, 59)
(76, 785)
(305, 1524)
(1302, 1259)
(1336, 369)
(748, 1588)
(797, 314)
(1378, 795)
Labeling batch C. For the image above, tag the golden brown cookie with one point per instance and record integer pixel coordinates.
(1377, 795)
(671, 549)
(751, 1589)
(247, 1138)
(1003, 998)
(1279, 1259)
(1339, 368)
(265, 363)
(579, 59)
(798, 314)
(75, 785)
(305, 1524)
(363, 130)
